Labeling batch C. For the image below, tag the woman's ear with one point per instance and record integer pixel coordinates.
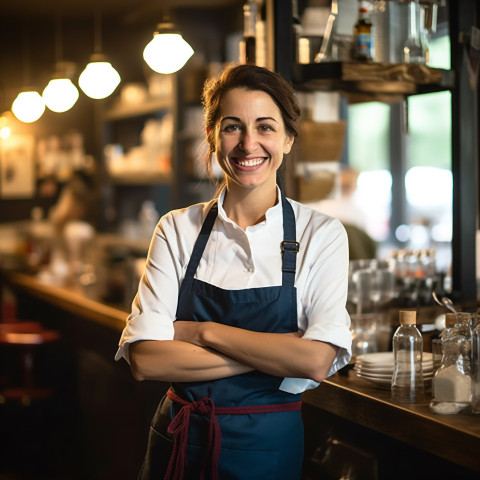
(288, 145)
(208, 130)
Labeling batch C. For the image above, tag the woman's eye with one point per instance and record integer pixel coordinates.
(230, 128)
(265, 128)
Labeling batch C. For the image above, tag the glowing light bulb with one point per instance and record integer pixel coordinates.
(167, 52)
(99, 79)
(60, 95)
(28, 107)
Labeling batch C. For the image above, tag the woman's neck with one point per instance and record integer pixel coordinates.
(247, 208)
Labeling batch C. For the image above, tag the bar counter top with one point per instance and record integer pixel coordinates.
(77, 300)
(453, 437)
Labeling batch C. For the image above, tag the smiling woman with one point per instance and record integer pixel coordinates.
(242, 303)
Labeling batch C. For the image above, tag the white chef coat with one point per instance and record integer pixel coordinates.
(238, 259)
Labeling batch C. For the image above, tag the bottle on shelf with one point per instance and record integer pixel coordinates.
(415, 47)
(363, 46)
(452, 383)
(407, 378)
(248, 44)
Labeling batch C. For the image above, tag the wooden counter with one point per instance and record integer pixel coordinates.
(455, 438)
(78, 301)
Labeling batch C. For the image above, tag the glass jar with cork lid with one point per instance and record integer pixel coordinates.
(451, 385)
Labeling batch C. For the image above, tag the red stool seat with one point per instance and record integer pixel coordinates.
(21, 327)
(22, 339)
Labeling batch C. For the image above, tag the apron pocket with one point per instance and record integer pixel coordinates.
(160, 444)
(158, 454)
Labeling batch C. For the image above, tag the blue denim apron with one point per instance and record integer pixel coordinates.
(266, 444)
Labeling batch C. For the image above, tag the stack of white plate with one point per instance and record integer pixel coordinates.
(378, 367)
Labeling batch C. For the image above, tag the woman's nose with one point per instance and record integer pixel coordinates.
(247, 141)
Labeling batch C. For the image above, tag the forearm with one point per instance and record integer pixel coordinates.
(273, 353)
(178, 361)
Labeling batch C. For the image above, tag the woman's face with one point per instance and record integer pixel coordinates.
(250, 138)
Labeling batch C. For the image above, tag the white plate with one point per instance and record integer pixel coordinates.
(378, 358)
(386, 382)
(385, 376)
(383, 361)
(367, 373)
(427, 367)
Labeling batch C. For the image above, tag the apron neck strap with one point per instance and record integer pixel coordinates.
(289, 247)
(201, 241)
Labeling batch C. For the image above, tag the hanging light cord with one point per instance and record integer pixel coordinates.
(26, 54)
(97, 47)
(58, 39)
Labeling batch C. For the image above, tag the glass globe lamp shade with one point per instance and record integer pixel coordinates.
(167, 52)
(28, 107)
(99, 79)
(5, 130)
(60, 95)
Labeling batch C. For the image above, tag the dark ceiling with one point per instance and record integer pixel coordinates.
(127, 10)
(31, 32)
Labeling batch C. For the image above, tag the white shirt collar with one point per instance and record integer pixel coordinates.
(271, 213)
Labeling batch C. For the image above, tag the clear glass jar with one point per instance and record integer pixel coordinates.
(452, 383)
(407, 378)
(475, 363)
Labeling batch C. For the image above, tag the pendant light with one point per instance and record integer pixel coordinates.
(99, 79)
(29, 106)
(5, 130)
(167, 52)
(60, 95)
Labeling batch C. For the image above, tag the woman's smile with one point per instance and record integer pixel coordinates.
(249, 162)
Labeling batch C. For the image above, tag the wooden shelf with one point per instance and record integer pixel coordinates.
(368, 81)
(122, 111)
(141, 178)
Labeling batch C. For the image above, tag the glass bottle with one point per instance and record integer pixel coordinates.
(248, 44)
(452, 383)
(363, 34)
(407, 378)
(475, 365)
(414, 48)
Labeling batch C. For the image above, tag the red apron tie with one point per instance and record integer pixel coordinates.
(179, 428)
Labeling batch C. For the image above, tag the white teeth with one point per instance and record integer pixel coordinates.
(250, 163)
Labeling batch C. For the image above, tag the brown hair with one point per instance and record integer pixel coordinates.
(250, 77)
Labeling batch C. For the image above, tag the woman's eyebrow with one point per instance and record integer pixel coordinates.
(262, 119)
(236, 119)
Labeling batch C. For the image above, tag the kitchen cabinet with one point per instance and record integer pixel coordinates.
(391, 82)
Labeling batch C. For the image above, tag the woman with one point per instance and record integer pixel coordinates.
(242, 304)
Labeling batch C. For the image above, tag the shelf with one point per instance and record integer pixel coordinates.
(367, 81)
(123, 111)
(140, 178)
